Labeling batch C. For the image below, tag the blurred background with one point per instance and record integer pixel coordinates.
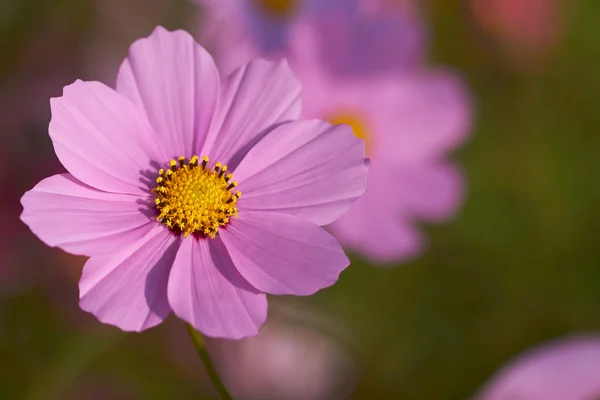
(519, 265)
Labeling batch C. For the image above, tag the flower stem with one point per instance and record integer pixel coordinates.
(205, 357)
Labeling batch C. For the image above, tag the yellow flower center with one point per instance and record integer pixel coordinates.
(277, 8)
(358, 124)
(194, 199)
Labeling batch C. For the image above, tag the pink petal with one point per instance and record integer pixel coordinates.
(309, 169)
(176, 81)
(254, 98)
(357, 44)
(377, 231)
(561, 370)
(66, 213)
(102, 138)
(408, 118)
(281, 254)
(378, 224)
(129, 288)
(223, 29)
(419, 117)
(432, 191)
(208, 292)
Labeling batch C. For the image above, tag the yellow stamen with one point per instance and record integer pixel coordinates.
(223, 170)
(194, 200)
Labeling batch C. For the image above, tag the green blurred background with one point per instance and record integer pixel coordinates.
(519, 265)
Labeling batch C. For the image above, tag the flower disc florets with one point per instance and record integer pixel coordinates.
(277, 8)
(194, 199)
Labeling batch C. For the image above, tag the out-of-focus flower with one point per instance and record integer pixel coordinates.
(366, 41)
(566, 369)
(150, 225)
(409, 121)
(265, 22)
(361, 64)
(525, 29)
(239, 30)
(293, 357)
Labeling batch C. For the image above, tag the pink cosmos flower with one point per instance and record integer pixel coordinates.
(294, 357)
(151, 198)
(409, 119)
(527, 31)
(359, 62)
(239, 30)
(534, 24)
(266, 22)
(566, 369)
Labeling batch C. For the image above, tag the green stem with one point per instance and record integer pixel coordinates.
(205, 357)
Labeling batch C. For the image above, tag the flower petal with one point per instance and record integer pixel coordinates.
(408, 118)
(176, 81)
(379, 225)
(378, 232)
(310, 169)
(561, 369)
(359, 43)
(281, 254)
(419, 117)
(66, 213)
(102, 138)
(254, 99)
(208, 292)
(432, 192)
(129, 288)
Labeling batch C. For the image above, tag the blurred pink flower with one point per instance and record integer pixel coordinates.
(566, 369)
(239, 30)
(409, 120)
(169, 102)
(264, 22)
(360, 63)
(294, 357)
(525, 28)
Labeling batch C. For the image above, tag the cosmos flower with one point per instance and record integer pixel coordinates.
(264, 21)
(239, 30)
(565, 369)
(524, 29)
(409, 120)
(361, 63)
(150, 194)
(368, 38)
(299, 354)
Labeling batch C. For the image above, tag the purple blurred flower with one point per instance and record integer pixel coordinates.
(240, 30)
(409, 120)
(361, 65)
(566, 369)
(265, 22)
(170, 102)
(367, 41)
